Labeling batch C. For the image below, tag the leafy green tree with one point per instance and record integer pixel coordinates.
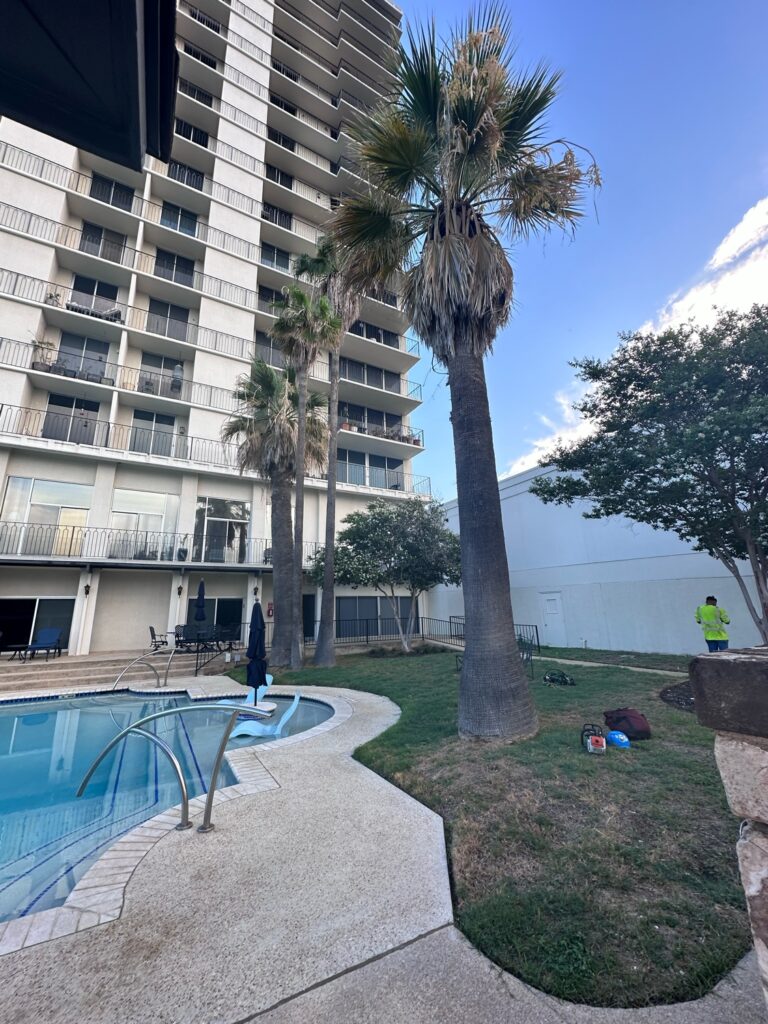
(326, 273)
(265, 427)
(456, 166)
(394, 546)
(680, 441)
(304, 327)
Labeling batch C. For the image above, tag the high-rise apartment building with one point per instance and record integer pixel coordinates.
(129, 305)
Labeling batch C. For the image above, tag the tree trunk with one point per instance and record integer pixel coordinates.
(325, 652)
(282, 570)
(494, 698)
(297, 635)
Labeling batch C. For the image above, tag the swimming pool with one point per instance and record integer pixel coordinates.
(49, 838)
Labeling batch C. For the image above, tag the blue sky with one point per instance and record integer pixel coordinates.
(671, 97)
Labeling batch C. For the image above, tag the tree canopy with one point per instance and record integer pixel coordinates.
(680, 441)
(393, 546)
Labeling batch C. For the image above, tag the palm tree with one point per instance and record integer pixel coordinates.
(325, 272)
(266, 427)
(453, 163)
(303, 327)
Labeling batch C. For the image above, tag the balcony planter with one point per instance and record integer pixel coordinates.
(181, 554)
(38, 364)
(344, 425)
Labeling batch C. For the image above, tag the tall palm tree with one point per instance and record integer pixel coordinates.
(454, 164)
(303, 327)
(266, 428)
(325, 272)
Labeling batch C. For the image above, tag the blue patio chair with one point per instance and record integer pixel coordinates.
(257, 729)
(47, 639)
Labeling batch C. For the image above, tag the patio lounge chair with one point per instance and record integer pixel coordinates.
(156, 642)
(257, 729)
(47, 639)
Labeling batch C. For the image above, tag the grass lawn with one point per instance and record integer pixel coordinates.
(664, 662)
(608, 880)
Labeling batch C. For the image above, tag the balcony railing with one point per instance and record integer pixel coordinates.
(404, 435)
(86, 431)
(35, 541)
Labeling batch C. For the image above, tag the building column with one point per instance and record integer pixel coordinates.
(177, 602)
(85, 610)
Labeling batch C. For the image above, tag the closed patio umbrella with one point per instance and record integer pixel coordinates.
(200, 603)
(256, 673)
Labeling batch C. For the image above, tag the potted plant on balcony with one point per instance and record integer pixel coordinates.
(41, 354)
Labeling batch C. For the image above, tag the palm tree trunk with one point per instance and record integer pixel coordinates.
(494, 698)
(282, 565)
(325, 652)
(297, 634)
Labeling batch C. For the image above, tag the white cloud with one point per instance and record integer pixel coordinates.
(735, 277)
(567, 426)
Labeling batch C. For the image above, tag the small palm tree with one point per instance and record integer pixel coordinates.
(303, 328)
(325, 272)
(456, 164)
(265, 427)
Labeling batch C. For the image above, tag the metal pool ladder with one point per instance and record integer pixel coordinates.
(143, 658)
(136, 727)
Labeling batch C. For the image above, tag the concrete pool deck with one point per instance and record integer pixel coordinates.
(324, 897)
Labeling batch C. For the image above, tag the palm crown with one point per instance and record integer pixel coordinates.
(266, 423)
(451, 164)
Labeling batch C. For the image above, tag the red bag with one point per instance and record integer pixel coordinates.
(630, 721)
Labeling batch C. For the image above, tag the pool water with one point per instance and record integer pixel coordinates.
(49, 838)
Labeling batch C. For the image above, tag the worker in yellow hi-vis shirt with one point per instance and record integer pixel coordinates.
(712, 620)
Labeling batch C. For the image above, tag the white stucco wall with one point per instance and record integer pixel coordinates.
(607, 583)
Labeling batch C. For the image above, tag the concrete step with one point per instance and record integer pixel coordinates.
(71, 672)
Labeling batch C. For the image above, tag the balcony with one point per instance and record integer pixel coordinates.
(172, 387)
(31, 542)
(82, 432)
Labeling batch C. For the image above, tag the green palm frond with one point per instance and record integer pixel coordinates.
(265, 425)
(454, 165)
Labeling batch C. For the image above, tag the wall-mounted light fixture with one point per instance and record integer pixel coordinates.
(256, 592)
(179, 590)
(87, 589)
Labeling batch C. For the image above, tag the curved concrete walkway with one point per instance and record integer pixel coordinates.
(323, 898)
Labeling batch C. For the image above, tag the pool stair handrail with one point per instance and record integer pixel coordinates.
(137, 728)
(143, 658)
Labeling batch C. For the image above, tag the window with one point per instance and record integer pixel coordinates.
(99, 241)
(274, 257)
(269, 350)
(281, 177)
(189, 131)
(202, 55)
(357, 617)
(175, 268)
(81, 357)
(195, 92)
(73, 419)
(169, 320)
(21, 621)
(162, 375)
(278, 101)
(179, 219)
(282, 140)
(143, 524)
(53, 513)
(267, 299)
(108, 191)
(186, 175)
(93, 294)
(386, 473)
(226, 612)
(152, 433)
(221, 530)
(350, 466)
(275, 215)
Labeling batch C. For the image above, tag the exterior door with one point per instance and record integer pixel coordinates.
(308, 610)
(552, 621)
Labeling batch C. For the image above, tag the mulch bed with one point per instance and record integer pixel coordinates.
(679, 696)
